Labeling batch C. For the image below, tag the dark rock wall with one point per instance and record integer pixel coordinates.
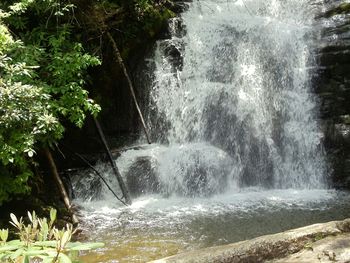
(332, 85)
(134, 36)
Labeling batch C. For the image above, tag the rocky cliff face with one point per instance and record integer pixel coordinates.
(134, 31)
(332, 85)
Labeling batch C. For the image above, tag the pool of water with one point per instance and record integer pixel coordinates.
(154, 226)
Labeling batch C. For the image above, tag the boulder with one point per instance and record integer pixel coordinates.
(141, 177)
(265, 248)
(329, 249)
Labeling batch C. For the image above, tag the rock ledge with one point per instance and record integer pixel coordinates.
(269, 247)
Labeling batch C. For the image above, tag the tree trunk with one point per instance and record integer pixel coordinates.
(60, 185)
(124, 189)
(131, 87)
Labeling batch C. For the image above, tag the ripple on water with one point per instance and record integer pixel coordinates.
(154, 227)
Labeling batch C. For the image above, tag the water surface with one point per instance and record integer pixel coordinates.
(155, 227)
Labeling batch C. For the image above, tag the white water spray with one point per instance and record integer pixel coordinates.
(240, 87)
(230, 104)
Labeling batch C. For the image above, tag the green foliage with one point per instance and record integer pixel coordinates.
(24, 118)
(42, 78)
(67, 61)
(141, 18)
(43, 73)
(152, 15)
(41, 240)
(341, 9)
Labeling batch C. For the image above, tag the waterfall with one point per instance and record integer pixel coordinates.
(236, 102)
(237, 149)
(230, 104)
(231, 97)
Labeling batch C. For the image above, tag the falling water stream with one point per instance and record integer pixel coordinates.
(238, 148)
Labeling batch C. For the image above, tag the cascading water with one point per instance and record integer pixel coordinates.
(237, 149)
(234, 107)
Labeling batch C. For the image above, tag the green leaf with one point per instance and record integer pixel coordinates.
(36, 251)
(14, 219)
(4, 233)
(30, 216)
(44, 231)
(33, 249)
(2, 257)
(19, 252)
(65, 238)
(64, 258)
(73, 255)
(47, 259)
(83, 246)
(6, 248)
(26, 259)
(15, 242)
(51, 243)
(53, 214)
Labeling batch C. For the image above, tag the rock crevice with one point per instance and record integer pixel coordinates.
(332, 85)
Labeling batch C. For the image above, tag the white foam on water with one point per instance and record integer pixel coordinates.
(163, 210)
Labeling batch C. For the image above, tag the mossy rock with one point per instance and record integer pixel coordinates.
(343, 8)
(345, 119)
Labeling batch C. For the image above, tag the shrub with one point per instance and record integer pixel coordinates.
(41, 241)
(42, 75)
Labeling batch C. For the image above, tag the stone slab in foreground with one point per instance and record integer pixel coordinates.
(266, 248)
(329, 249)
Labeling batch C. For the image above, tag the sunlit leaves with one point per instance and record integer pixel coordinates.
(5, 38)
(68, 63)
(38, 240)
(20, 6)
(4, 233)
(24, 118)
(42, 78)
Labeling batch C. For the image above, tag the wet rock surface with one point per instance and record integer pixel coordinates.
(332, 85)
(179, 6)
(142, 177)
(328, 241)
(330, 249)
